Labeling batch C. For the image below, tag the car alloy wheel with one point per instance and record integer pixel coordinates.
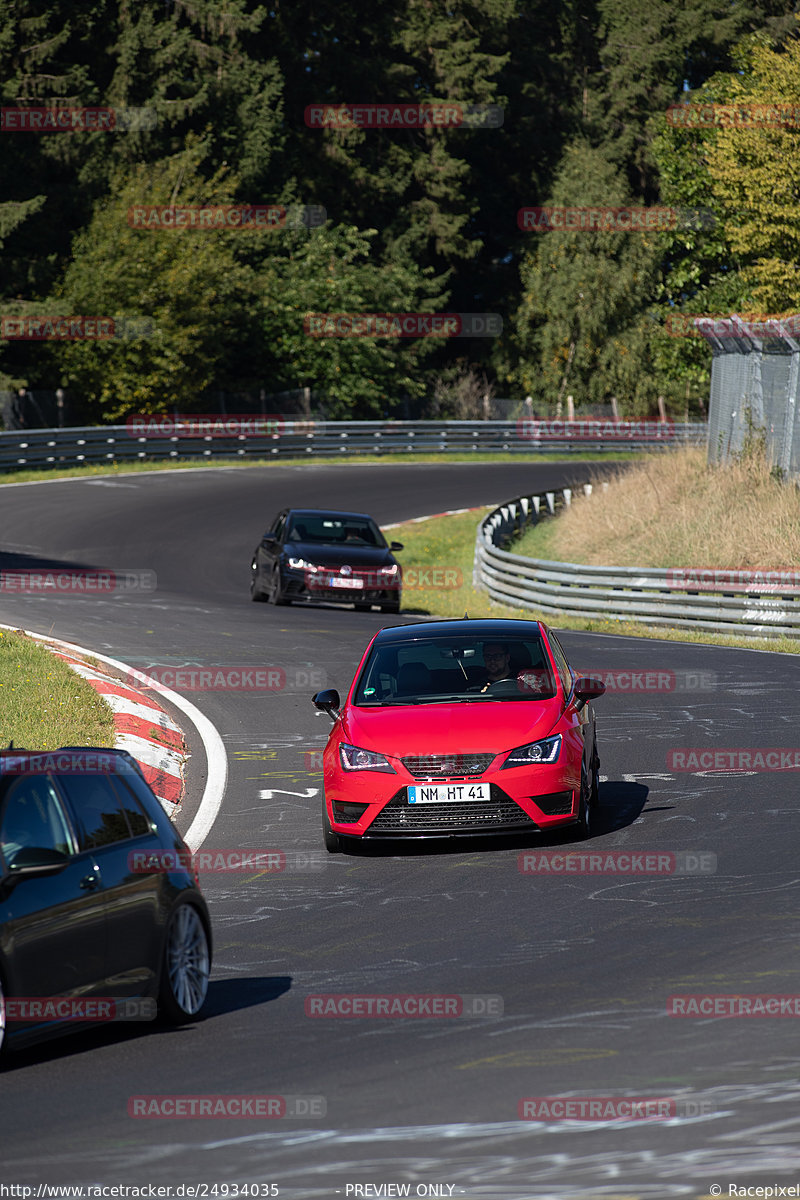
(186, 966)
(276, 595)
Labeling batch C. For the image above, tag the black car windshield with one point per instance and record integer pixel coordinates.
(453, 668)
(335, 531)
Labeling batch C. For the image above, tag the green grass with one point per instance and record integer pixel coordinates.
(448, 543)
(43, 703)
(36, 474)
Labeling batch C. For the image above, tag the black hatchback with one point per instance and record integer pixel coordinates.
(319, 554)
(90, 929)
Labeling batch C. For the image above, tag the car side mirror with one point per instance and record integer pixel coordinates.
(396, 546)
(36, 860)
(268, 539)
(587, 689)
(328, 701)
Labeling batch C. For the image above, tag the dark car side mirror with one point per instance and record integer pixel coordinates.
(268, 539)
(396, 546)
(328, 701)
(588, 689)
(36, 860)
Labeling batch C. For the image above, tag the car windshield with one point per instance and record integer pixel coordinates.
(335, 531)
(452, 668)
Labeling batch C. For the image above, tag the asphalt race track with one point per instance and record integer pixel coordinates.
(583, 964)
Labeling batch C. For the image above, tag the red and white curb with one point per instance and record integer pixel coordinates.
(449, 512)
(216, 759)
(144, 730)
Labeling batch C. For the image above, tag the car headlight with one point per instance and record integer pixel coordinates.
(388, 570)
(353, 758)
(545, 751)
(300, 564)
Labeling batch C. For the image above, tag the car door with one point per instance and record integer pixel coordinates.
(52, 926)
(269, 550)
(110, 830)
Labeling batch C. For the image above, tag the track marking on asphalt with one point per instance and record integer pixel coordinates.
(269, 793)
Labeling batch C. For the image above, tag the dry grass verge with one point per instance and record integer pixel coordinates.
(676, 510)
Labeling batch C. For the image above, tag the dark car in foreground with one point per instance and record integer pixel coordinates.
(320, 554)
(460, 728)
(88, 928)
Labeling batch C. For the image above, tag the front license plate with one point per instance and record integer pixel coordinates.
(446, 793)
(341, 581)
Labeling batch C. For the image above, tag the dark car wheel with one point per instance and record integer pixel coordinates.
(276, 594)
(582, 829)
(392, 607)
(186, 966)
(256, 591)
(333, 843)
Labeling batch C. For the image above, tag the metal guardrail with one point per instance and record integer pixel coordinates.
(119, 443)
(649, 595)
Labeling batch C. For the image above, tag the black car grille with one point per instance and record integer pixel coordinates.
(447, 766)
(473, 816)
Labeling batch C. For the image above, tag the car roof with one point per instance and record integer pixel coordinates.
(481, 629)
(328, 512)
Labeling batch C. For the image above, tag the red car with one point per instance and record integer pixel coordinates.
(458, 728)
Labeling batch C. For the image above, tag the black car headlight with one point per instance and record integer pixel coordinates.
(545, 751)
(353, 758)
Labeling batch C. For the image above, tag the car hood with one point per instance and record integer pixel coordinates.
(478, 726)
(337, 556)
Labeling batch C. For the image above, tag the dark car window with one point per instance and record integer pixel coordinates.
(32, 816)
(335, 531)
(136, 796)
(99, 811)
(427, 670)
(561, 663)
(278, 527)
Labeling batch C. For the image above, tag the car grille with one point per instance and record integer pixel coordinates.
(447, 766)
(499, 812)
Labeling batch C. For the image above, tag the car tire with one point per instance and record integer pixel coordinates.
(594, 798)
(392, 607)
(333, 843)
(185, 966)
(276, 595)
(582, 829)
(256, 591)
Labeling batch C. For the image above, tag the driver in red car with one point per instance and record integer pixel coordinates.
(497, 661)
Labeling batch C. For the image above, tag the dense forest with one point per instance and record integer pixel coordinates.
(213, 107)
